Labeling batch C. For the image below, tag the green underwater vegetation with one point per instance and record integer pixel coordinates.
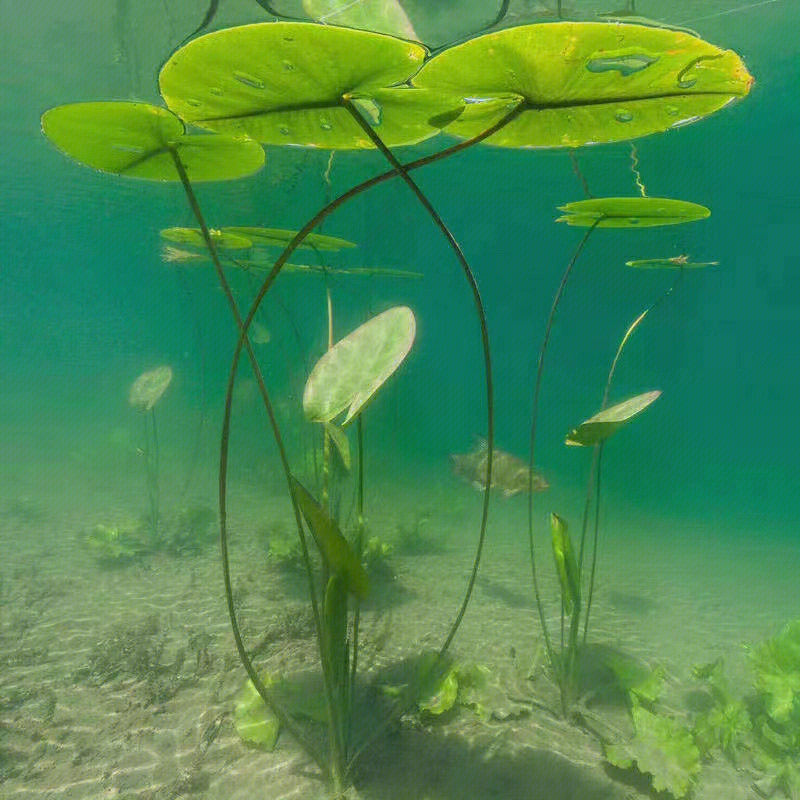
(556, 85)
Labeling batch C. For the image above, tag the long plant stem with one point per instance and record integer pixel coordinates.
(359, 548)
(594, 472)
(534, 419)
(487, 356)
(286, 720)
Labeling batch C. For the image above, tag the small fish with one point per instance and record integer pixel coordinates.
(509, 473)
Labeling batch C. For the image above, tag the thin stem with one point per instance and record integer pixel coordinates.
(534, 418)
(258, 684)
(487, 356)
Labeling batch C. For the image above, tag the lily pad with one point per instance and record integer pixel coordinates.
(598, 428)
(194, 237)
(147, 389)
(350, 373)
(140, 141)
(661, 748)
(286, 83)
(382, 16)
(276, 237)
(631, 212)
(589, 82)
(335, 549)
(676, 262)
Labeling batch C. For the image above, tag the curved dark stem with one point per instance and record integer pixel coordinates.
(576, 168)
(209, 16)
(598, 451)
(487, 357)
(258, 684)
(534, 419)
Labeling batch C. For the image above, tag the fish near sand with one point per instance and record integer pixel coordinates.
(509, 473)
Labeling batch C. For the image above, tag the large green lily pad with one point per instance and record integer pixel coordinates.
(383, 16)
(350, 373)
(286, 83)
(598, 428)
(631, 212)
(138, 140)
(589, 82)
(277, 237)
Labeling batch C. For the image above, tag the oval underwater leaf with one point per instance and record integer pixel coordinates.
(589, 82)
(631, 212)
(355, 368)
(566, 564)
(147, 389)
(194, 237)
(277, 237)
(285, 83)
(335, 549)
(137, 140)
(598, 428)
(254, 722)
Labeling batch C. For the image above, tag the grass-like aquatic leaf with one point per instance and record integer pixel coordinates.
(350, 373)
(598, 428)
(138, 140)
(676, 262)
(335, 549)
(194, 237)
(339, 439)
(566, 564)
(631, 212)
(589, 82)
(285, 83)
(278, 237)
(383, 16)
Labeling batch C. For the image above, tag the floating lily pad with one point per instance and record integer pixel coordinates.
(598, 428)
(382, 16)
(355, 368)
(286, 83)
(138, 140)
(194, 237)
(631, 212)
(147, 389)
(676, 262)
(276, 237)
(589, 82)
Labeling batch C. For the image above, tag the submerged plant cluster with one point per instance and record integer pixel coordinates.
(559, 85)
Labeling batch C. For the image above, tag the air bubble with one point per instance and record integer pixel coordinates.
(249, 80)
(193, 102)
(325, 124)
(216, 91)
(673, 111)
(283, 130)
(623, 116)
(288, 66)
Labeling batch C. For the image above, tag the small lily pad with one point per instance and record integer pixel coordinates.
(350, 373)
(276, 237)
(631, 212)
(147, 389)
(138, 140)
(598, 428)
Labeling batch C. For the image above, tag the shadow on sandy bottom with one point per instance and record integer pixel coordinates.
(427, 766)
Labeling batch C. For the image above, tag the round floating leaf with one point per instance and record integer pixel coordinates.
(194, 237)
(383, 16)
(352, 371)
(276, 237)
(285, 83)
(631, 212)
(676, 262)
(147, 389)
(138, 140)
(589, 82)
(598, 428)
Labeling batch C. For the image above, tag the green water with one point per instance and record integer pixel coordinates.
(699, 499)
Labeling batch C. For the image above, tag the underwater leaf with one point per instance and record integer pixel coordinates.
(254, 722)
(642, 682)
(285, 83)
(661, 748)
(598, 428)
(335, 549)
(442, 697)
(140, 141)
(776, 663)
(631, 212)
(147, 389)
(382, 16)
(566, 564)
(588, 82)
(276, 237)
(335, 627)
(350, 373)
(339, 439)
(677, 262)
(194, 237)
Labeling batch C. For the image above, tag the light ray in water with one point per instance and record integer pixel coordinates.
(730, 11)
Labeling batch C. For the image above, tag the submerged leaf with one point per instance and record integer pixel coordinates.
(335, 549)
(776, 663)
(588, 82)
(350, 373)
(138, 140)
(254, 722)
(277, 237)
(598, 428)
(194, 237)
(631, 212)
(661, 748)
(147, 389)
(382, 16)
(339, 439)
(566, 564)
(639, 680)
